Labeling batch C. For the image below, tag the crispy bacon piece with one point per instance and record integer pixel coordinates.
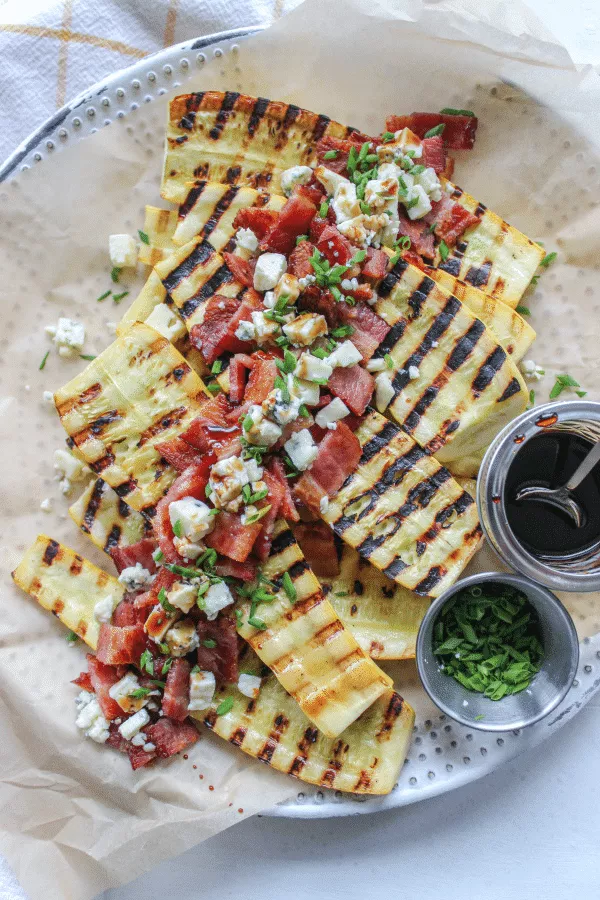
(221, 660)
(434, 153)
(145, 603)
(262, 545)
(120, 645)
(102, 678)
(459, 132)
(242, 269)
(314, 191)
(84, 681)
(238, 366)
(342, 147)
(178, 453)
(141, 552)
(261, 380)
(335, 247)
(216, 429)
(451, 220)
(126, 613)
(216, 334)
(299, 262)
(338, 456)
(421, 238)
(191, 483)
(258, 219)
(375, 266)
(369, 328)
(294, 219)
(231, 537)
(171, 737)
(138, 757)
(229, 568)
(317, 543)
(288, 507)
(177, 690)
(354, 386)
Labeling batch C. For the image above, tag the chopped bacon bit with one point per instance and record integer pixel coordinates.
(262, 545)
(369, 328)
(354, 386)
(216, 428)
(102, 678)
(434, 153)
(375, 266)
(141, 552)
(258, 219)
(314, 191)
(221, 660)
(216, 334)
(120, 645)
(342, 146)
(294, 220)
(459, 132)
(451, 220)
(238, 367)
(421, 239)
(242, 269)
(262, 379)
(177, 690)
(299, 261)
(145, 603)
(317, 543)
(413, 259)
(317, 227)
(83, 681)
(338, 456)
(138, 757)
(228, 568)
(171, 737)
(231, 537)
(178, 453)
(288, 507)
(191, 483)
(362, 294)
(335, 247)
(126, 613)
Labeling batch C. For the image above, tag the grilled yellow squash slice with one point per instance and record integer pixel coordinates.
(106, 519)
(233, 138)
(492, 255)
(67, 585)
(383, 616)
(454, 386)
(365, 759)
(138, 392)
(301, 639)
(396, 509)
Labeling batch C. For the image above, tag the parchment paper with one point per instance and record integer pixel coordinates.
(74, 819)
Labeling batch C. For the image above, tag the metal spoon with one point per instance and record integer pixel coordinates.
(560, 497)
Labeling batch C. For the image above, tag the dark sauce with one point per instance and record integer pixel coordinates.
(549, 460)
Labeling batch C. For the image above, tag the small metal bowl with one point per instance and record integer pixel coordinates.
(577, 572)
(548, 687)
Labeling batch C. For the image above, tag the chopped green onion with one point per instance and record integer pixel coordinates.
(433, 132)
(213, 387)
(43, 362)
(87, 356)
(209, 644)
(288, 586)
(448, 111)
(562, 382)
(114, 275)
(71, 637)
(331, 154)
(143, 236)
(257, 516)
(548, 260)
(247, 422)
(103, 296)
(162, 599)
(118, 297)
(178, 529)
(300, 238)
(139, 693)
(387, 136)
(147, 663)
(444, 251)
(225, 706)
(358, 257)
(166, 666)
(216, 367)
(323, 209)
(389, 361)
(257, 623)
(365, 208)
(523, 310)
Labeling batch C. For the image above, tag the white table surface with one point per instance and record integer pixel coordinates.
(531, 829)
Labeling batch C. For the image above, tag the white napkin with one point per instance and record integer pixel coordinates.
(53, 49)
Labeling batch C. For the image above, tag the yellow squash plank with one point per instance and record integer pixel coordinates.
(138, 392)
(383, 616)
(106, 519)
(236, 139)
(304, 643)
(492, 255)
(455, 387)
(366, 758)
(404, 512)
(67, 585)
(159, 225)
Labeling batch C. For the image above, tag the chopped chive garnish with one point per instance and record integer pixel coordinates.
(433, 132)
(303, 411)
(288, 586)
(248, 422)
(300, 238)
(162, 599)
(323, 209)
(548, 260)
(72, 637)
(389, 361)
(166, 667)
(114, 275)
(43, 362)
(343, 331)
(358, 257)
(213, 387)
(216, 367)
(523, 310)
(225, 706)
(139, 693)
(562, 382)
(103, 296)
(87, 356)
(209, 644)
(365, 208)
(118, 297)
(387, 136)
(143, 236)
(444, 251)
(449, 111)
(257, 623)
(331, 154)
(178, 529)
(146, 662)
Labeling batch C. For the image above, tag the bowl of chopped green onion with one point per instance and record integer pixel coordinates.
(497, 652)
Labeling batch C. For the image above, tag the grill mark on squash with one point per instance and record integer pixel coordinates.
(258, 111)
(219, 211)
(223, 275)
(223, 115)
(190, 201)
(199, 255)
(51, 552)
(486, 373)
(93, 506)
(512, 388)
(167, 421)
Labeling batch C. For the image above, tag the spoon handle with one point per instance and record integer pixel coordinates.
(585, 468)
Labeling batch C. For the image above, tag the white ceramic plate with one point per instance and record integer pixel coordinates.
(443, 754)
